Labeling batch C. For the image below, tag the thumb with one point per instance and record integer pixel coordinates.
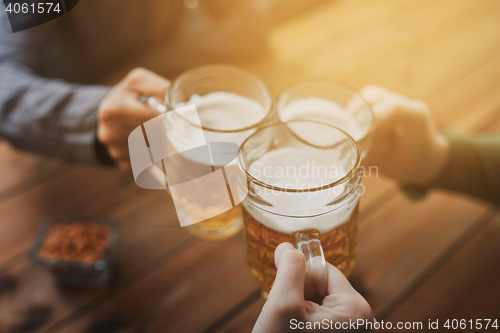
(288, 286)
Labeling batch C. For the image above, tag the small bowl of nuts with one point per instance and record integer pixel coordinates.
(77, 249)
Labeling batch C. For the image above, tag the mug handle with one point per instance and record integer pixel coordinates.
(316, 282)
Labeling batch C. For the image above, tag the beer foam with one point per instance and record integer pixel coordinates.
(285, 211)
(220, 111)
(322, 110)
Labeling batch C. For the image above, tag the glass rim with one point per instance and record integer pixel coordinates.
(225, 67)
(342, 84)
(342, 180)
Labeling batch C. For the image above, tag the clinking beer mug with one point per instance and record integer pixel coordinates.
(231, 104)
(331, 103)
(303, 179)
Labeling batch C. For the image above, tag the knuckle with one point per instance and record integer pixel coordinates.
(108, 114)
(136, 75)
(115, 154)
(295, 257)
(373, 89)
(419, 111)
(124, 165)
(408, 109)
(112, 153)
(420, 105)
(104, 137)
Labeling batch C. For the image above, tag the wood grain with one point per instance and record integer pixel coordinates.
(22, 171)
(444, 52)
(466, 287)
(82, 190)
(186, 294)
(149, 235)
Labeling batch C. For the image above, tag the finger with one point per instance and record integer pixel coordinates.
(118, 154)
(385, 115)
(133, 108)
(128, 113)
(288, 287)
(114, 134)
(337, 282)
(124, 164)
(342, 297)
(374, 93)
(356, 104)
(146, 82)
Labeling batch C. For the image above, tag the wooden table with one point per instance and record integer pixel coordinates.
(437, 258)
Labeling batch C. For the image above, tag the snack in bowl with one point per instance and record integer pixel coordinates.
(77, 250)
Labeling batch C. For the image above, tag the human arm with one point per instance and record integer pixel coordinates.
(48, 116)
(473, 167)
(409, 148)
(57, 118)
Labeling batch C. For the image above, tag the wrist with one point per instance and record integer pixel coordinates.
(441, 157)
(436, 162)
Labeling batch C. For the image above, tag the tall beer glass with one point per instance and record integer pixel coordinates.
(332, 103)
(231, 105)
(303, 182)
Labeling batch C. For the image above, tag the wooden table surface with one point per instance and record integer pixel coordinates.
(437, 258)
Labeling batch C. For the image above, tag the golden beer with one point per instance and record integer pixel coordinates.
(219, 226)
(339, 247)
(231, 104)
(303, 188)
(331, 103)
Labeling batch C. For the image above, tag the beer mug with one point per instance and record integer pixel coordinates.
(231, 105)
(332, 103)
(303, 180)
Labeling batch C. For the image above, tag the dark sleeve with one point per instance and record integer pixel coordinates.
(44, 115)
(473, 168)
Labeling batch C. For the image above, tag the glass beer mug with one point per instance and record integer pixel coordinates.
(303, 179)
(331, 103)
(231, 104)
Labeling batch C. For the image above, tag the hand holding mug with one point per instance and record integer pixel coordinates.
(121, 111)
(407, 145)
(286, 304)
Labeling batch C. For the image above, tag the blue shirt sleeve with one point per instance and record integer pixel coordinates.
(40, 114)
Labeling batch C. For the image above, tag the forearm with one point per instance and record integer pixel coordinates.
(48, 116)
(473, 167)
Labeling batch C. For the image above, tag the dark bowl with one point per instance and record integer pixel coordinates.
(78, 273)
